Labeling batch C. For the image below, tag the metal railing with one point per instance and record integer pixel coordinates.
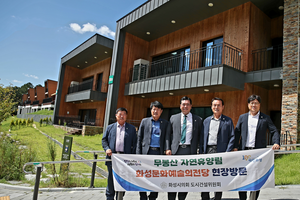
(48, 100)
(85, 85)
(34, 103)
(267, 58)
(27, 102)
(74, 121)
(39, 166)
(222, 53)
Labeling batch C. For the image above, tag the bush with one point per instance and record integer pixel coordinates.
(50, 121)
(24, 122)
(13, 157)
(28, 122)
(46, 121)
(41, 122)
(12, 124)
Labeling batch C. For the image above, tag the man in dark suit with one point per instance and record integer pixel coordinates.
(217, 136)
(250, 133)
(184, 134)
(119, 137)
(152, 138)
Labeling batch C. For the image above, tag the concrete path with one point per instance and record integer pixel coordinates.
(288, 192)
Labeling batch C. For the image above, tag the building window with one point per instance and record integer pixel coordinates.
(212, 52)
(172, 62)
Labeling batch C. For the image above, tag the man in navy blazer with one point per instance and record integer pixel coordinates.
(183, 136)
(119, 137)
(152, 138)
(217, 136)
(250, 133)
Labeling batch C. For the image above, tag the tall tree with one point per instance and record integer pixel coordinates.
(7, 102)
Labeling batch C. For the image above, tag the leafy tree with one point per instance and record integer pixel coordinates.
(6, 102)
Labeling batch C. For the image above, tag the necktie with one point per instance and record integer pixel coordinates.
(183, 130)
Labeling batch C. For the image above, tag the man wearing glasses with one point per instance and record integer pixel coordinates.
(250, 133)
(184, 134)
(151, 138)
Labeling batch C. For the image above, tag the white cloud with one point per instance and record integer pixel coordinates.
(16, 81)
(31, 76)
(103, 30)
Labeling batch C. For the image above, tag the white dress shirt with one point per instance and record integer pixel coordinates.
(120, 137)
(213, 131)
(252, 125)
(189, 127)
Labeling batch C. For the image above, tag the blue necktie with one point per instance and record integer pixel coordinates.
(183, 130)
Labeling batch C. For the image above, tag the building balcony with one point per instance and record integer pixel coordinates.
(36, 103)
(84, 92)
(267, 67)
(28, 102)
(211, 69)
(267, 58)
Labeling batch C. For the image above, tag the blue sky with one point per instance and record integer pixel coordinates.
(36, 34)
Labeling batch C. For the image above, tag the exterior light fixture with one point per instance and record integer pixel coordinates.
(85, 61)
(143, 96)
(171, 93)
(206, 90)
(173, 21)
(95, 57)
(276, 85)
(78, 66)
(105, 51)
(92, 100)
(210, 4)
(280, 7)
(80, 101)
(148, 33)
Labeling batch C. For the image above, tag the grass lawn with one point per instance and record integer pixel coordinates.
(42, 112)
(31, 137)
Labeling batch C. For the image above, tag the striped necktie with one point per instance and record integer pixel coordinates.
(183, 133)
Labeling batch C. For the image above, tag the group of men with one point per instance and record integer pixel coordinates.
(185, 133)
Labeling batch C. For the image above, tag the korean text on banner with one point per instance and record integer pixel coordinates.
(232, 171)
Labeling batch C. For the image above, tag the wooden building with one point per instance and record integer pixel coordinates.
(164, 50)
(83, 82)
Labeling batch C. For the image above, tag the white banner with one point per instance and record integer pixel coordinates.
(232, 171)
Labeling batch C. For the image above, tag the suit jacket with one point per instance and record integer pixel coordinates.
(174, 134)
(144, 136)
(109, 139)
(264, 123)
(225, 138)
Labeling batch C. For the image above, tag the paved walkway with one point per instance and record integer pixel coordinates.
(288, 192)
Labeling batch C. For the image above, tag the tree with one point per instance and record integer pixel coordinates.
(6, 102)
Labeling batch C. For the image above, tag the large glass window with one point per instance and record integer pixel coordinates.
(212, 52)
(172, 62)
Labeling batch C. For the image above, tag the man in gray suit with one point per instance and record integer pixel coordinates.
(151, 138)
(184, 134)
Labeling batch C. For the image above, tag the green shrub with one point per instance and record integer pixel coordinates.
(41, 122)
(24, 122)
(12, 124)
(50, 121)
(20, 123)
(46, 121)
(13, 158)
(28, 122)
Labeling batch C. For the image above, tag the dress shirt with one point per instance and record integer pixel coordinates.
(252, 125)
(189, 127)
(155, 133)
(213, 131)
(120, 137)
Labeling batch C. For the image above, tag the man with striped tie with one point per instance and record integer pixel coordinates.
(183, 136)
